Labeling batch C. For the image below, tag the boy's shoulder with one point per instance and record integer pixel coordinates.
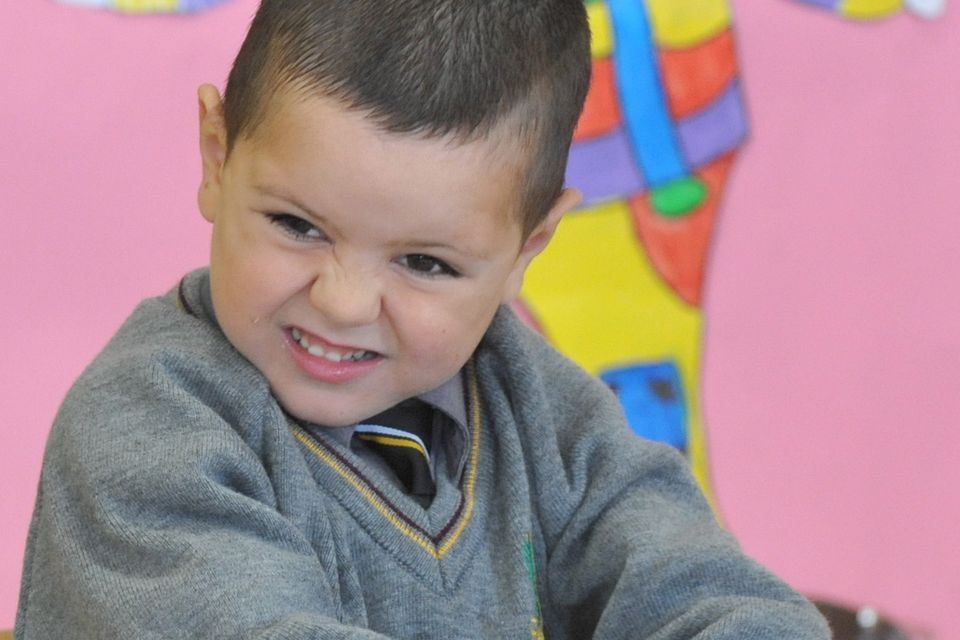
(536, 376)
(166, 366)
(177, 333)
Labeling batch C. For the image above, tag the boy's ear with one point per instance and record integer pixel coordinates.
(213, 149)
(538, 240)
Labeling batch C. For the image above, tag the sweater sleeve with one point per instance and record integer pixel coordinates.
(632, 548)
(641, 556)
(157, 518)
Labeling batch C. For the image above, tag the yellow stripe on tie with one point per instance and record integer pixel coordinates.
(393, 442)
(681, 24)
(601, 30)
(869, 9)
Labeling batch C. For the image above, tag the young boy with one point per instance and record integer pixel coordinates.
(338, 431)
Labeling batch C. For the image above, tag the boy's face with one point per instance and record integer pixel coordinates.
(356, 268)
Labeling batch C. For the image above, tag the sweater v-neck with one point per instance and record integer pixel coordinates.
(421, 539)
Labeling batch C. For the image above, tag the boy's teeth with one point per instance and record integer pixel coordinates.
(318, 351)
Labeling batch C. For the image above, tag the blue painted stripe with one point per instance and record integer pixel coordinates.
(642, 99)
(833, 5)
(189, 6)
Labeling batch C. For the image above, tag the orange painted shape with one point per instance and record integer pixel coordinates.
(694, 77)
(678, 247)
(601, 112)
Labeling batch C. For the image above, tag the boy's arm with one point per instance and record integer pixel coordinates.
(643, 557)
(156, 519)
(632, 548)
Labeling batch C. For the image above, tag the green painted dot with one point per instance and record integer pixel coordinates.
(678, 198)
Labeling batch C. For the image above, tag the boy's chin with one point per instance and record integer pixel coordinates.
(323, 418)
(328, 416)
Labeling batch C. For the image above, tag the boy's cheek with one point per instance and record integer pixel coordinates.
(451, 336)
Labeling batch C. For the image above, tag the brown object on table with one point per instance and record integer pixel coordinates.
(858, 624)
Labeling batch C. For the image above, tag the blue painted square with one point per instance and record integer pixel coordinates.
(653, 400)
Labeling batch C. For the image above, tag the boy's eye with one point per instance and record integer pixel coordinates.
(296, 227)
(427, 265)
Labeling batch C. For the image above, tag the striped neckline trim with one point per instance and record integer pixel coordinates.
(434, 545)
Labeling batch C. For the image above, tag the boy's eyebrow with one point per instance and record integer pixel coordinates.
(430, 246)
(277, 192)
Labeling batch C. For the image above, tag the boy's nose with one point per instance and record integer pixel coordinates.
(346, 297)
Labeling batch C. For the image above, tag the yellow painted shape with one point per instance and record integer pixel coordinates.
(681, 24)
(147, 6)
(600, 301)
(601, 30)
(869, 9)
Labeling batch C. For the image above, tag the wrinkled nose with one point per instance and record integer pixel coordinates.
(346, 296)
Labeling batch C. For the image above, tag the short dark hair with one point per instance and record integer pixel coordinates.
(428, 67)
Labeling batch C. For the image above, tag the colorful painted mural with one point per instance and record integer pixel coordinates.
(621, 287)
(148, 6)
(872, 9)
(856, 9)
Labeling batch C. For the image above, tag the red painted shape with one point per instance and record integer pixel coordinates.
(601, 111)
(678, 247)
(694, 77)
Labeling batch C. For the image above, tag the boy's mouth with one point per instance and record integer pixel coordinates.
(333, 354)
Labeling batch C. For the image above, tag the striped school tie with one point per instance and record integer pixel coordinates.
(400, 436)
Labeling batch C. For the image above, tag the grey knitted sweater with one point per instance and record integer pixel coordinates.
(178, 500)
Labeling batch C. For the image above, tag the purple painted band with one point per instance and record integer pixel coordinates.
(718, 128)
(604, 168)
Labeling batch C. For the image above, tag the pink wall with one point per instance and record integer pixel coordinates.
(833, 355)
(833, 345)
